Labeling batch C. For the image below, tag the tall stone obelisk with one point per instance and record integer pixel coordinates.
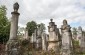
(12, 46)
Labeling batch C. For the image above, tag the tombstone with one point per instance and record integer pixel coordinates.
(12, 47)
(33, 40)
(38, 38)
(39, 43)
(81, 39)
(47, 38)
(79, 35)
(53, 41)
(26, 34)
(66, 38)
(44, 42)
(83, 43)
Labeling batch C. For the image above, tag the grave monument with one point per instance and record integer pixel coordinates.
(12, 47)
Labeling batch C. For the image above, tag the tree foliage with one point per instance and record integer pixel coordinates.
(42, 27)
(4, 25)
(74, 31)
(31, 26)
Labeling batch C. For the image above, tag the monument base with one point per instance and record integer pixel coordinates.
(13, 47)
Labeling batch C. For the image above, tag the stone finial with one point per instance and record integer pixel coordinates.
(16, 7)
(64, 22)
(51, 20)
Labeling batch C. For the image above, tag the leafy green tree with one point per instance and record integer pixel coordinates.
(4, 25)
(74, 31)
(31, 26)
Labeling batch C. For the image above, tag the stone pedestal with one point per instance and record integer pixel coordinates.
(12, 47)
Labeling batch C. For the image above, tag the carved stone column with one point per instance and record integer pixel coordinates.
(12, 47)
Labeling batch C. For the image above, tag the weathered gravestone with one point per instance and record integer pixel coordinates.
(79, 35)
(81, 39)
(34, 39)
(44, 42)
(53, 40)
(66, 38)
(12, 47)
(26, 36)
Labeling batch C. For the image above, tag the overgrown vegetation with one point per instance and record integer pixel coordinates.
(4, 25)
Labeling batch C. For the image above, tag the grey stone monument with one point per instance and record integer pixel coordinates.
(44, 42)
(66, 38)
(39, 43)
(12, 47)
(79, 34)
(53, 41)
(83, 43)
(38, 38)
(26, 36)
(81, 39)
(33, 38)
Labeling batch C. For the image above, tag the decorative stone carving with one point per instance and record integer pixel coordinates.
(53, 41)
(66, 38)
(16, 7)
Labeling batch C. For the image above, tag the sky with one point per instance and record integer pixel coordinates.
(42, 11)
